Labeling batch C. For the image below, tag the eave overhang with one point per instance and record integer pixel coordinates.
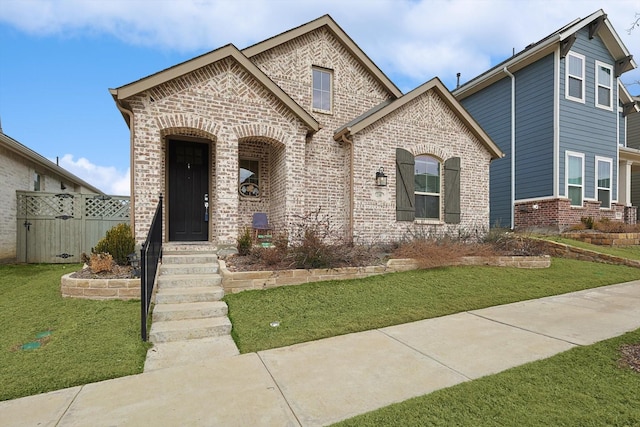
(562, 39)
(630, 155)
(229, 51)
(339, 33)
(25, 152)
(378, 112)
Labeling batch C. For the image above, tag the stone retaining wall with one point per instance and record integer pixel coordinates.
(233, 282)
(606, 239)
(100, 289)
(561, 250)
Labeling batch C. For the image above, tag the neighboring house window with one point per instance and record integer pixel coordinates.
(420, 189)
(322, 90)
(604, 83)
(575, 174)
(427, 187)
(575, 77)
(249, 178)
(603, 181)
(37, 182)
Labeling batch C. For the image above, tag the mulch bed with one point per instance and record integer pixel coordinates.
(117, 272)
(630, 356)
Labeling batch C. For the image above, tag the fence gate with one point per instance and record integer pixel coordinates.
(58, 228)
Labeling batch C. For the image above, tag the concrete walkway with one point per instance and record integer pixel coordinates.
(325, 381)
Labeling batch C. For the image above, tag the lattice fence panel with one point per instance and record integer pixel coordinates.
(36, 205)
(107, 207)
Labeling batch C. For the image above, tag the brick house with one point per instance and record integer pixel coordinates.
(300, 122)
(22, 169)
(559, 112)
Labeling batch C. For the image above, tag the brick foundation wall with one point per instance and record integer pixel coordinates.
(558, 214)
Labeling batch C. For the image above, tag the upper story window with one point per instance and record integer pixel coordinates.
(249, 178)
(574, 86)
(575, 178)
(322, 89)
(38, 184)
(604, 83)
(603, 181)
(427, 187)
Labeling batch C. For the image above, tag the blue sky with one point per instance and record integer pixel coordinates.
(60, 57)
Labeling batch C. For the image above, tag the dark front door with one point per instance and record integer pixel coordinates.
(188, 190)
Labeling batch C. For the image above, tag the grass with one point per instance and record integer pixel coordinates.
(89, 341)
(320, 310)
(581, 387)
(629, 252)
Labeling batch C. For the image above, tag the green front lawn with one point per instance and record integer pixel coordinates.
(88, 341)
(325, 309)
(629, 252)
(581, 387)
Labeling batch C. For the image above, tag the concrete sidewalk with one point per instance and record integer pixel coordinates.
(325, 381)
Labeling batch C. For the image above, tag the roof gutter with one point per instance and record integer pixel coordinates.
(132, 197)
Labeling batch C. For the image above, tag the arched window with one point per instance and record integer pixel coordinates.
(427, 187)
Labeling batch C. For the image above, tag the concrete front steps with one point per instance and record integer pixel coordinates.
(189, 322)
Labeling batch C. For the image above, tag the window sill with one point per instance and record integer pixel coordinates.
(427, 222)
(327, 112)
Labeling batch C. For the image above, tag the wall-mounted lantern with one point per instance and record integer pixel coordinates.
(381, 178)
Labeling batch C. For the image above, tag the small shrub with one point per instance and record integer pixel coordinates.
(99, 262)
(588, 222)
(118, 242)
(244, 242)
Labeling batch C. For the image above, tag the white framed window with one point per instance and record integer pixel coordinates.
(249, 178)
(574, 172)
(603, 181)
(322, 89)
(38, 184)
(427, 187)
(604, 85)
(574, 85)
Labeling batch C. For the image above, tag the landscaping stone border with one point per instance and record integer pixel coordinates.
(100, 289)
(234, 282)
(562, 250)
(605, 239)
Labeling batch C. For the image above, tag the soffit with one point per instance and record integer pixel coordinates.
(387, 108)
(122, 93)
(340, 35)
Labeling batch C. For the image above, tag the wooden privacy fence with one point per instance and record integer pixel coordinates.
(58, 228)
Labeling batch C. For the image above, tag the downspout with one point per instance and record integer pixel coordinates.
(351, 184)
(129, 113)
(513, 146)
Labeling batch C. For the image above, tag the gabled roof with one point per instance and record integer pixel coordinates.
(228, 51)
(597, 22)
(630, 104)
(387, 108)
(342, 37)
(25, 152)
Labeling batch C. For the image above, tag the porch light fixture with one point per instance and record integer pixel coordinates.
(381, 178)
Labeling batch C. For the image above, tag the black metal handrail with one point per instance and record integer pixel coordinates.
(149, 259)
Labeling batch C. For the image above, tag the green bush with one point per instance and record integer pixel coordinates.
(245, 242)
(118, 242)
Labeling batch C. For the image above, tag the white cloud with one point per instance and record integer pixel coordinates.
(411, 41)
(106, 178)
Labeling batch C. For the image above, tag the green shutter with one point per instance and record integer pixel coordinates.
(405, 197)
(452, 190)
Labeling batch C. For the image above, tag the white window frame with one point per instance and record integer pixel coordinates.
(438, 194)
(314, 91)
(598, 85)
(568, 75)
(569, 154)
(597, 187)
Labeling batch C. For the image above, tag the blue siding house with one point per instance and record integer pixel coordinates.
(558, 111)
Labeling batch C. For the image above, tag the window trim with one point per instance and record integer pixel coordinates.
(569, 154)
(598, 85)
(597, 187)
(568, 75)
(330, 91)
(258, 184)
(439, 194)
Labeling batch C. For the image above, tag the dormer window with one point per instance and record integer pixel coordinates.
(574, 89)
(322, 90)
(604, 82)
